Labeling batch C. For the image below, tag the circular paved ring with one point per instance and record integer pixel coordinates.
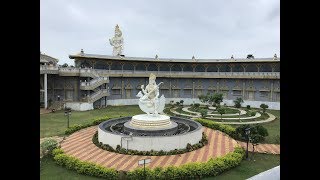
(80, 146)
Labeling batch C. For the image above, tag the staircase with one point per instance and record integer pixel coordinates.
(88, 73)
(97, 95)
(94, 83)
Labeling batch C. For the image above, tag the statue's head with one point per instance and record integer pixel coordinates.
(117, 31)
(152, 79)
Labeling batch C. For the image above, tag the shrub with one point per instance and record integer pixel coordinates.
(47, 146)
(231, 131)
(77, 127)
(181, 102)
(195, 170)
(196, 106)
(202, 142)
(203, 112)
(86, 168)
(238, 102)
(253, 113)
(248, 107)
(264, 107)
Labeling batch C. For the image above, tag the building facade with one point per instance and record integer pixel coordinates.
(99, 79)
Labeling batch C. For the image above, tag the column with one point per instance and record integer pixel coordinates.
(244, 89)
(122, 88)
(193, 88)
(45, 92)
(271, 92)
(170, 87)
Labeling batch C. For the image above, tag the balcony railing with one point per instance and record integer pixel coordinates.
(88, 72)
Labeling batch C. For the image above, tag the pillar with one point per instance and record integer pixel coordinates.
(193, 88)
(271, 92)
(45, 91)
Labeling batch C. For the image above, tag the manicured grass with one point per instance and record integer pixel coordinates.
(272, 127)
(51, 171)
(53, 124)
(250, 168)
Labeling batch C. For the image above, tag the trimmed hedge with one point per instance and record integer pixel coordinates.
(212, 167)
(189, 147)
(84, 167)
(231, 131)
(77, 127)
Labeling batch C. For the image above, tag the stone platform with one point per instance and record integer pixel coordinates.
(151, 125)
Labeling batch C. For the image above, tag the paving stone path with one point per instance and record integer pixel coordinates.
(80, 145)
(263, 148)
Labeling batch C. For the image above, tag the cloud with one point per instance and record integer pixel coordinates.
(169, 28)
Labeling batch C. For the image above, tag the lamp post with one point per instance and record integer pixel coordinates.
(247, 131)
(67, 112)
(144, 162)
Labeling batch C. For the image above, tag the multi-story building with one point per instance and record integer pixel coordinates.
(100, 80)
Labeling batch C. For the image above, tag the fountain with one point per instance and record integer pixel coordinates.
(153, 130)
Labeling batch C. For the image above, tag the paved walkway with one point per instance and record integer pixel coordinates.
(44, 111)
(79, 145)
(263, 148)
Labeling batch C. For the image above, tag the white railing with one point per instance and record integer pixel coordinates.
(277, 74)
(97, 95)
(45, 67)
(95, 82)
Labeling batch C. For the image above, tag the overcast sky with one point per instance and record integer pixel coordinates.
(168, 28)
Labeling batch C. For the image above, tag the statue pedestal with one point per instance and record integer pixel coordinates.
(150, 125)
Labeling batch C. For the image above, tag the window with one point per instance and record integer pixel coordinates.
(116, 91)
(237, 93)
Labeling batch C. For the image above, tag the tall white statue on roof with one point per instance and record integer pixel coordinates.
(117, 42)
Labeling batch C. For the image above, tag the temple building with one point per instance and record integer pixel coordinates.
(101, 80)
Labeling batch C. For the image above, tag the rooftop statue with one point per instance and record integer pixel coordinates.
(149, 101)
(117, 42)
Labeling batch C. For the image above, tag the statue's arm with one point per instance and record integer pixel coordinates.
(111, 43)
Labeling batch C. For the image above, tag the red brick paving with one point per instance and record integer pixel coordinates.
(80, 145)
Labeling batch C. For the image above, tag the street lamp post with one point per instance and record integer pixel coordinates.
(247, 131)
(67, 112)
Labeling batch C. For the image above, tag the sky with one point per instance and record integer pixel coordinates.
(214, 29)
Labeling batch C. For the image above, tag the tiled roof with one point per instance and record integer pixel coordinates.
(108, 57)
(46, 58)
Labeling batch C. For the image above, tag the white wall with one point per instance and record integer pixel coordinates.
(188, 101)
(156, 143)
(79, 106)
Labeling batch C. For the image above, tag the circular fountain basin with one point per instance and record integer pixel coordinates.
(141, 137)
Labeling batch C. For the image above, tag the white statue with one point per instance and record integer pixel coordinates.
(117, 42)
(149, 101)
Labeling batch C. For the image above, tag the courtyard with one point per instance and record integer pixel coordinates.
(80, 145)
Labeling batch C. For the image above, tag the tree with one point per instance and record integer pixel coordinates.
(196, 106)
(221, 111)
(216, 99)
(203, 98)
(65, 65)
(181, 102)
(256, 136)
(178, 103)
(203, 113)
(238, 102)
(264, 107)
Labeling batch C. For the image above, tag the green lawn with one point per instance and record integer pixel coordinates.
(248, 169)
(272, 127)
(53, 124)
(51, 171)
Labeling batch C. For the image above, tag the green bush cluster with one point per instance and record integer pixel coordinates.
(212, 167)
(84, 167)
(189, 147)
(77, 127)
(231, 131)
(47, 146)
